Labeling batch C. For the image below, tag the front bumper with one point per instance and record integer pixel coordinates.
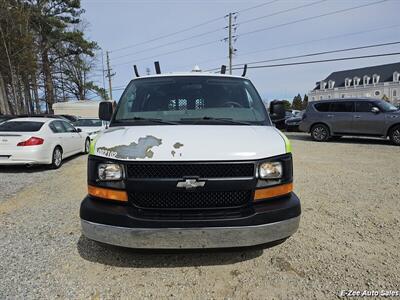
(190, 238)
(116, 224)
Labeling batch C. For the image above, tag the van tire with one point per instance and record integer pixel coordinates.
(394, 135)
(320, 133)
(87, 146)
(56, 158)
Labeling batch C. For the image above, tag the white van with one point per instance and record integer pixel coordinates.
(191, 160)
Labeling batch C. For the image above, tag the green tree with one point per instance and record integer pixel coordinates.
(286, 104)
(297, 102)
(38, 41)
(305, 101)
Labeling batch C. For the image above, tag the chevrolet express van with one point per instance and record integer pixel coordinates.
(190, 160)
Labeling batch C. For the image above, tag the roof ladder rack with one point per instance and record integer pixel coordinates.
(157, 66)
(244, 70)
(136, 71)
(223, 69)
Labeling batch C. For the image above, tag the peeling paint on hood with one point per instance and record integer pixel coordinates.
(196, 143)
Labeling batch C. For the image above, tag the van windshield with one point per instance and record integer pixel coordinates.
(191, 100)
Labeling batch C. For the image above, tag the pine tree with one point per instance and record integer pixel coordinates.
(297, 103)
(305, 101)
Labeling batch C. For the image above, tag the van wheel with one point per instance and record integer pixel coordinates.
(56, 158)
(320, 133)
(87, 146)
(394, 135)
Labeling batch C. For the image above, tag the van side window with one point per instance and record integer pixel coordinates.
(364, 106)
(322, 107)
(345, 106)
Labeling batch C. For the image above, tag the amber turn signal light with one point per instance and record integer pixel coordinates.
(271, 192)
(108, 194)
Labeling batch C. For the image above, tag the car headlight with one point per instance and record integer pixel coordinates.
(109, 172)
(270, 170)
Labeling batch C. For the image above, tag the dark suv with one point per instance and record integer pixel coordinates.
(328, 119)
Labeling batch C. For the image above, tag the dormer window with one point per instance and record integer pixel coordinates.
(322, 85)
(347, 82)
(396, 76)
(375, 78)
(366, 79)
(331, 84)
(356, 81)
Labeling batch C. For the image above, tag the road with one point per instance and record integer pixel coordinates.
(348, 237)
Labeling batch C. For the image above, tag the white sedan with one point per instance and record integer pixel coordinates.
(29, 141)
(91, 126)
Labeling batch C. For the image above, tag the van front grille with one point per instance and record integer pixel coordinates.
(202, 170)
(190, 199)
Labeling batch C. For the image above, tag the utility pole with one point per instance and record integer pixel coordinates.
(109, 75)
(102, 69)
(230, 50)
(231, 39)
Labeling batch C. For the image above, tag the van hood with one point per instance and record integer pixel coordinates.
(190, 143)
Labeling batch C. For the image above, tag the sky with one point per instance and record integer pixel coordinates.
(141, 32)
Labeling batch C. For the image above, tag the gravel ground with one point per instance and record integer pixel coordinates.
(348, 237)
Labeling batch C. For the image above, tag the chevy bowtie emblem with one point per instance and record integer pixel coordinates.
(190, 184)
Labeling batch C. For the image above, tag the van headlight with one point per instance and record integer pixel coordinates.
(109, 172)
(270, 170)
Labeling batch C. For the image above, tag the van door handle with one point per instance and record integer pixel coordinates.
(357, 116)
(331, 116)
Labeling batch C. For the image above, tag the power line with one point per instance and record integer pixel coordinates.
(262, 29)
(170, 43)
(320, 61)
(256, 6)
(317, 53)
(168, 35)
(282, 11)
(181, 31)
(327, 52)
(167, 53)
(311, 18)
(302, 43)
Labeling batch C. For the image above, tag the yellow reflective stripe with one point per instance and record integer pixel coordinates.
(288, 144)
(93, 144)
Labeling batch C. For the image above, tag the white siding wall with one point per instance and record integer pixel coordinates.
(390, 89)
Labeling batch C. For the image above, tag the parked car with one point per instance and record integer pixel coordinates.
(70, 118)
(190, 160)
(91, 126)
(30, 141)
(356, 117)
(4, 118)
(292, 123)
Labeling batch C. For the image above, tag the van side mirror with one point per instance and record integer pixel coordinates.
(277, 111)
(106, 110)
(78, 130)
(375, 110)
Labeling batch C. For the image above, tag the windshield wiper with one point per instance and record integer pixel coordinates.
(146, 119)
(225, 120)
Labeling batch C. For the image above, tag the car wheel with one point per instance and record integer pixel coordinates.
(87, 146)
(56, 158)
(394, 135)
(320, 133)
